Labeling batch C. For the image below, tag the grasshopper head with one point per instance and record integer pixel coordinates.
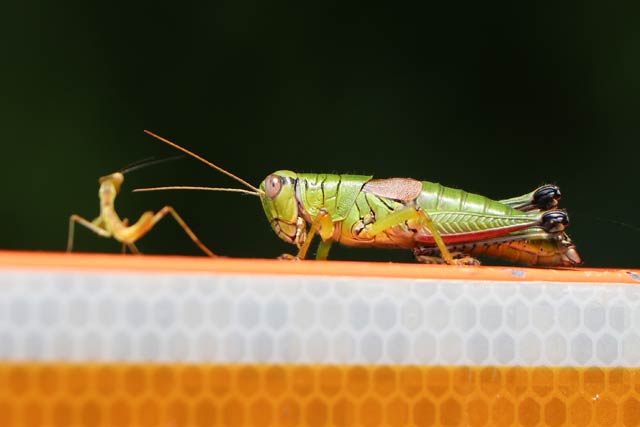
(278, 195)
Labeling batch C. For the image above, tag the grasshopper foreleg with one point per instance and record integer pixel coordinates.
(322, 224)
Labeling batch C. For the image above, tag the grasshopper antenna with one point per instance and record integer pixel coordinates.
(190, 187)
(208, 163)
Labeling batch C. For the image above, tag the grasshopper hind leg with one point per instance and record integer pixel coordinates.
(547, 197)
(555, 221)
(542, 199)
(429, 255)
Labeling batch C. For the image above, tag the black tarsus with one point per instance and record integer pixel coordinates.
(547, 197)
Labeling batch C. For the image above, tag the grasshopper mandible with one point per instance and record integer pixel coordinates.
(439, 224)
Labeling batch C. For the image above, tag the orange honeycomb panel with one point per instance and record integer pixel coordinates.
(272, 395)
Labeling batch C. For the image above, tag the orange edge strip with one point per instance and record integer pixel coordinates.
(156, 263)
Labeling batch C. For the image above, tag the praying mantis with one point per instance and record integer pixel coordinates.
(109, 225)
(439, 224)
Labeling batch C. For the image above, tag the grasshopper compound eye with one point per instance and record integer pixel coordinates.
(273, 185)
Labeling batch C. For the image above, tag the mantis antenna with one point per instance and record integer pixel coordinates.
(256, 191)
(149, 161)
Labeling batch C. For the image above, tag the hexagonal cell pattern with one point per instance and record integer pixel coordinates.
(285, 319)
(314, 395)
(169, 349)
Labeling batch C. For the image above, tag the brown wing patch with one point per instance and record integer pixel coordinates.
(403, 189)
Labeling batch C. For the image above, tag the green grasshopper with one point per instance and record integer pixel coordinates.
(439, 224)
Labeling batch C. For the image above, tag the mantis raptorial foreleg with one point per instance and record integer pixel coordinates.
(96, 226)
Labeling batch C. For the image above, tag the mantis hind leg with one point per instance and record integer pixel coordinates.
(169, 210)
(123, 251)
(132, 247)
(129, 235)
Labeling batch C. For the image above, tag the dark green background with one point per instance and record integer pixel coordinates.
(495, 100)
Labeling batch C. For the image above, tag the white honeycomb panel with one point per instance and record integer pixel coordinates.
(147, 317)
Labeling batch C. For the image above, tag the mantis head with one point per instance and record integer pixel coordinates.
(278, 196)
(110, 184)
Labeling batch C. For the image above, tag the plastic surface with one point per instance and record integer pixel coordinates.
(127, 340)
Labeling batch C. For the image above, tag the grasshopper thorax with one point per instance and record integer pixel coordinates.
(278, 195)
